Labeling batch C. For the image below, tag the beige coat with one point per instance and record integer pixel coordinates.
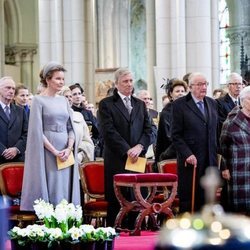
(84, 144)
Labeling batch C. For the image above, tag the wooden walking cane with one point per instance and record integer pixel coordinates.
(193, 189)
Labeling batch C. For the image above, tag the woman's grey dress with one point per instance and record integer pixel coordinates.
(50, 117)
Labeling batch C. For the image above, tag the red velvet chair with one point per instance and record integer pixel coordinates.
(11, 178)
(92, 180)
(170, 167)
(149, 166)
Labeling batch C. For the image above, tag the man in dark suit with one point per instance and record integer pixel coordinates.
(126, 130)
(194, 135)
(13, 124)
(231, 99)
(225, 106)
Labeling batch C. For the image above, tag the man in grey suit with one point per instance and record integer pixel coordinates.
(13, 124)
(194, 135)
(126, 130)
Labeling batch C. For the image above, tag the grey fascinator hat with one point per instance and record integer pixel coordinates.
(51, 66)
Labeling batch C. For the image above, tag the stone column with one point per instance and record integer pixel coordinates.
(239, 28)
(202, 39)
(150, 42)
(2, 49)
(66, 35)
(170, 42)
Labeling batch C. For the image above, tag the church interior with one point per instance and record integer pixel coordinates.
(157, 40)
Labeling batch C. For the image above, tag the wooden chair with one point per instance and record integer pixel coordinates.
(149, 166)
(11, 179)
(92, 180)
(170, 167)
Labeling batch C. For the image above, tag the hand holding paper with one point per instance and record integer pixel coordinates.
(64, 164)
(138, 166)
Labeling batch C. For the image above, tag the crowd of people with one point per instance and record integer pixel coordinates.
(193, 128)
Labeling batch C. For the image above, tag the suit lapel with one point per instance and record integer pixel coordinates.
(229, 102)
(191, 104)
(209, 111)
(121, 107)
(135, 108)
(13, 115)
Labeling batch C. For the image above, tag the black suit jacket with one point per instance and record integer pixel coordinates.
(13, 132)
(225, 105)
(120, 132)
(192, 133)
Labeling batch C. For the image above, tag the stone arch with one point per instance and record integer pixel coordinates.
(13, 22)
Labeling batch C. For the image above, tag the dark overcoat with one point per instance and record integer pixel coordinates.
(121, 132)
(235, 149)
(164, 146)
(192, 133)
(13, 132)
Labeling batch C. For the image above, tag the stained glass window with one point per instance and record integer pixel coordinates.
(224, 42)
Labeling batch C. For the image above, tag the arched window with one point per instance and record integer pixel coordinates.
(224, 42)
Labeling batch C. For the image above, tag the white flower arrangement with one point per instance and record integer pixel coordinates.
(65, 215)
(60, 224)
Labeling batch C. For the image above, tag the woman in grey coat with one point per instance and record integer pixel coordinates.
(50, 136)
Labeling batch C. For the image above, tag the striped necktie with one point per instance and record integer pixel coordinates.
(7, 111)
(128, 104)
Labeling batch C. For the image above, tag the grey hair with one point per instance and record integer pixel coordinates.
(243, 93)
(233, 76)
(192, 76)
(121, 72)
(2, 80)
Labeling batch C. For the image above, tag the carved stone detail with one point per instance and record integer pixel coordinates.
(19, 53)
(235, 35)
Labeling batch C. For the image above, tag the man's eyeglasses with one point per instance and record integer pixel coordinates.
(201, 84)
(235, 83)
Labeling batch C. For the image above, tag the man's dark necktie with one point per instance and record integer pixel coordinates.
(7, 111)
(201, 107)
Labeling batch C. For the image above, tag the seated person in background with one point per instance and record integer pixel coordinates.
(164, 147)
(217, 93)
(165, 100)
(22, 97)
(85, 146)
(13, 124)
(91, 107)
(144, 95)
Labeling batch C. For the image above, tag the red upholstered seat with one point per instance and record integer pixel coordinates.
(168, 166)
(92, 180)
(11, 178)
(96, 205)
(149, 177)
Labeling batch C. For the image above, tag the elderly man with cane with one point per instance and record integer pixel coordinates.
(194, 135)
